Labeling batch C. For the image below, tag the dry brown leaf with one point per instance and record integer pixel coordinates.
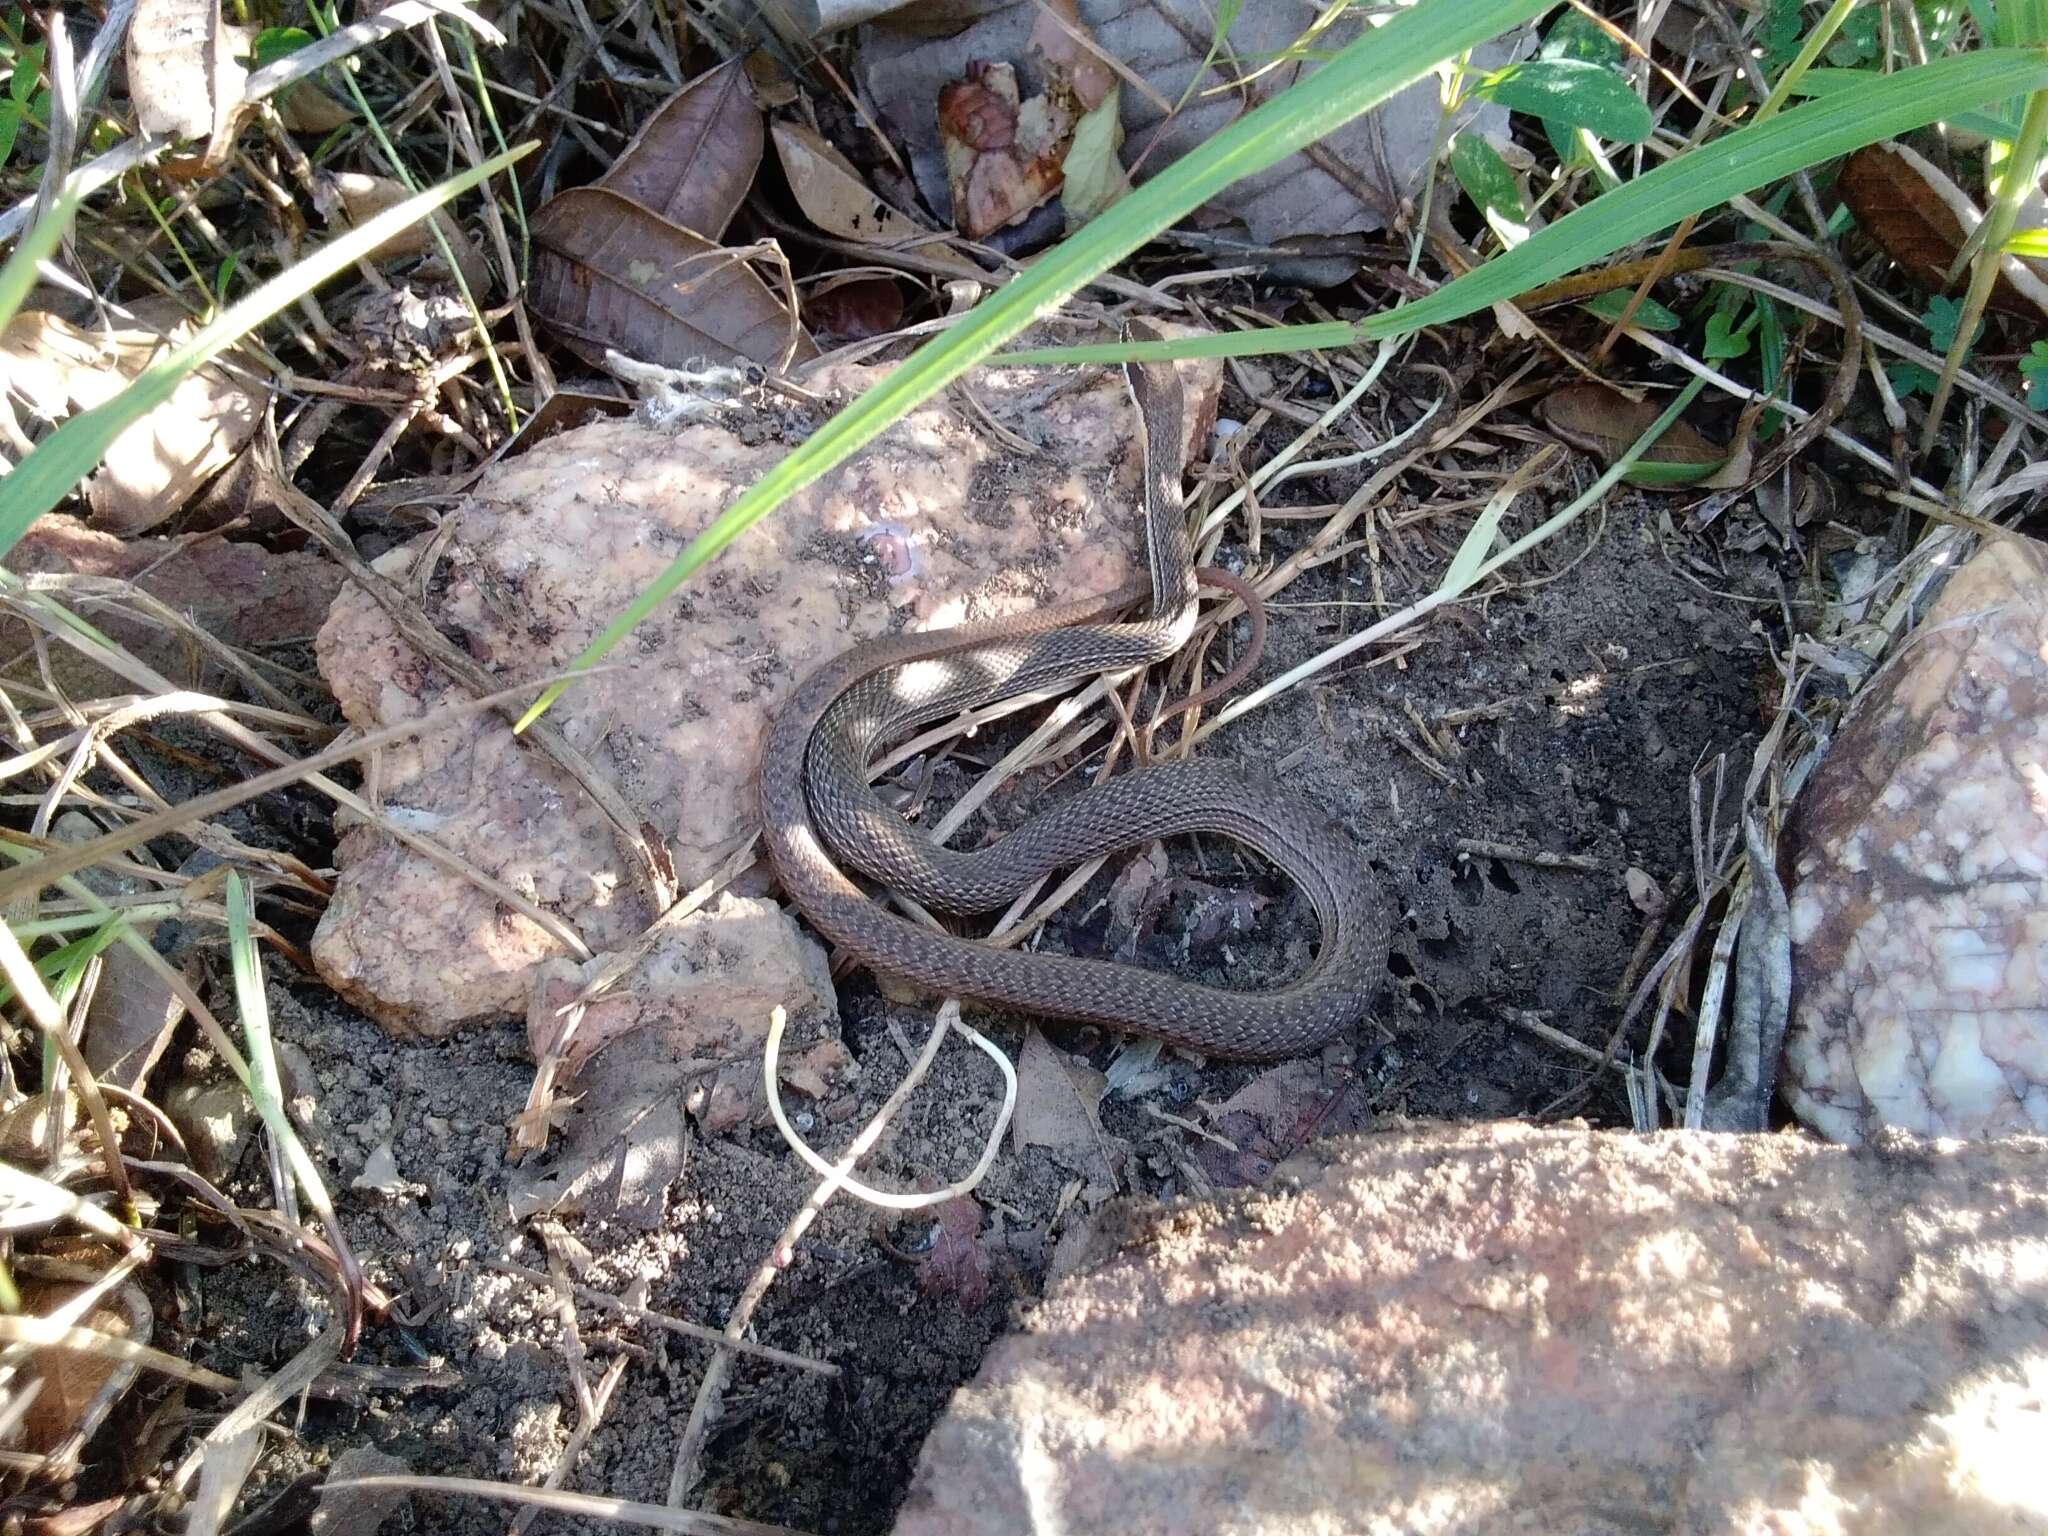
(831, 192)
(182, 73)
(608, 273)
(1058, 1103)
(694, 161)
(1056, 37)
(1002, 154)
(304, 108)
(56, 369)
(854, 309)
(358, 198)
(1605, 422)
(1916, 215)
(79, 1389)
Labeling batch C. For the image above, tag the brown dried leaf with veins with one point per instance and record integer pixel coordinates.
(831, 192)
(610, 273)
(694, 161)
(1920, 219)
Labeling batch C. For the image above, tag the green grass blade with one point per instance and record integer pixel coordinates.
(1703, 178)
(36, 243)
(1358, 78)
(71, 452)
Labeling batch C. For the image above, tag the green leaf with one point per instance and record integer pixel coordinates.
(1858, 40)
(19, 275)
(1943, 315)
(1613, 304)
(1387, 59)
(1778, 35)
(1909, 379)
(274, 43)
(2034, 369)
(28, 73)
(2029, 243)
(1575, 35)
(1490, 184)
(1828, 82)
(1572, 92)
(10, 125)
(1093, 176)
(1725, 342)
(1884, 107)
(70, 453)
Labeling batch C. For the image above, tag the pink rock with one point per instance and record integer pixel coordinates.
(934, 522)
(241, 594)
(1919, 899)
(1499, 1328)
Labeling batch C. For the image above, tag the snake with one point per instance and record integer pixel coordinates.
(822, 823)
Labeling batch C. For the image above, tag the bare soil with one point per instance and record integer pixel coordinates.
(1568, 717)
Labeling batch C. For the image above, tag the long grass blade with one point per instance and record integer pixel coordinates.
(1832, 125)
(1356, 79)
(19, 275)
(71, 452)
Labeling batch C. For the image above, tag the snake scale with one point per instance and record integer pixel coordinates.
(821, 819)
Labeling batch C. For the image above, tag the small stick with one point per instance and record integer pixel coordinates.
(1541, 858)
(605, 1301)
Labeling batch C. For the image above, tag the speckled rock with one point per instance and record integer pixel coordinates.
(1920, 884)
(240, 593)
(1499, 1328)
(937, 521)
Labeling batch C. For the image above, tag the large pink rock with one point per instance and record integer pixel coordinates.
(1919, 898)
(1565, 1331)
(939, 519)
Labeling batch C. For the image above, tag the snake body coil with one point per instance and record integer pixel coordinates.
(819, 814)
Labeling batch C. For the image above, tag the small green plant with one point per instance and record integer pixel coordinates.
(1943, 318)
(2034, 369)
(26, 99)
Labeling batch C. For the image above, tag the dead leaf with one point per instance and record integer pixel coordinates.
(78, 1389)
(1278, 1113)
(1644, 894)
(1920, 219)
(1057, 1101)
(1605, 423)
(1141, 887)
(56, 369)
(1093, 175)
(956, 1265)
(183, 77)
(358, 198)
(831, 192)
(854, 309)
(304, 108)
(609, 273)
(1057, 37)
(694, 161)
(1002, 154)
(1355, 180)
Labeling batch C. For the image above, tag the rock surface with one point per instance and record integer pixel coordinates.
(237, 592)
(935, 522)
(1920, 882)
(1494, 1328)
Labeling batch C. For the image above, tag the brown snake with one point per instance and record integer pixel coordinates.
(819, 813)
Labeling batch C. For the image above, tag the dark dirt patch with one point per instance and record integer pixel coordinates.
(1568, 716)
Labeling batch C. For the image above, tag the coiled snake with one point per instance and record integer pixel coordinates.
(818, 812)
